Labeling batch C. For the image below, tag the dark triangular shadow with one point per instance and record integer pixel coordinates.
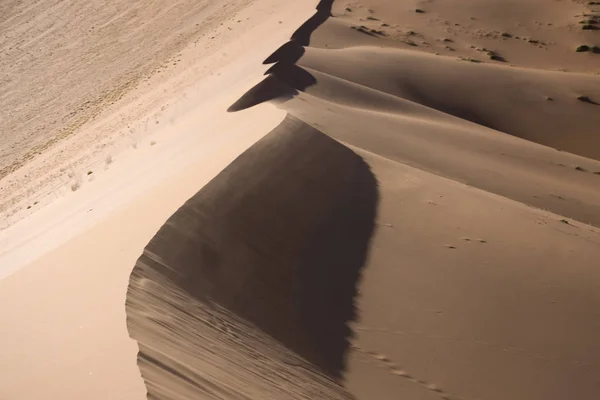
(289, 53)
(293, 75)
(283, 82)
(285, 79)
(302, 35)
(268, 89)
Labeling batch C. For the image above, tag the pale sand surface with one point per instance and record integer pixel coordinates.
(423, 223)
(68, 339)
(65, 335)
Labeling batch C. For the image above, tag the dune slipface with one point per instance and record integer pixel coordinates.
(248, 289)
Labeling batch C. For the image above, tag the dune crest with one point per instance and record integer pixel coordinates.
(420, 226)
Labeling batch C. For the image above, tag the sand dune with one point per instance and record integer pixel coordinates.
(530, 104)
(468, 295)
(423, 224)
(454, 208)
(463, 294)
(536, 33)
(231, 255)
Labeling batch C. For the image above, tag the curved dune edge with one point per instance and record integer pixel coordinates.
(251, 289)
(234, 275)
(520, 133)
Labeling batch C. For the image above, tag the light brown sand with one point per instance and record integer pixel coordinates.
(64, 335)
(419, 226)
(363, 258)
(63, 62)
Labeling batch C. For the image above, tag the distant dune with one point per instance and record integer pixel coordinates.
(420, 226)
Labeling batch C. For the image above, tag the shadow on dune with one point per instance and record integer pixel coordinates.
(285, 79)
(283, 82)
(302, 35)
(277, 239)
(421, 96)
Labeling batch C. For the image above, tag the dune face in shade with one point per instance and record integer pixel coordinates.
(258, 273)
(285, 79)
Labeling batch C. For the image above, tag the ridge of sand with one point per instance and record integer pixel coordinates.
(395, 236)
(361, 256)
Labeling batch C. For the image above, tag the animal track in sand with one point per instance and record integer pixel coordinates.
(396, 370)
(468, 239)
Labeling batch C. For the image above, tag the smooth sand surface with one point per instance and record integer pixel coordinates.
(422, 221)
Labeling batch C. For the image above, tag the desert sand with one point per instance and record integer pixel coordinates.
(405, 205)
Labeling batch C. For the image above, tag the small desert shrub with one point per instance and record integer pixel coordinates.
(473, 60)
(582, 48)
(75, 185)
(589, 27)
(585, 99)
(495, 56)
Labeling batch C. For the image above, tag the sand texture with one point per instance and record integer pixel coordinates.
(367, 200)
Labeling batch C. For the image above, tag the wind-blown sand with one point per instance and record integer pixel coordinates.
(417, 226)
